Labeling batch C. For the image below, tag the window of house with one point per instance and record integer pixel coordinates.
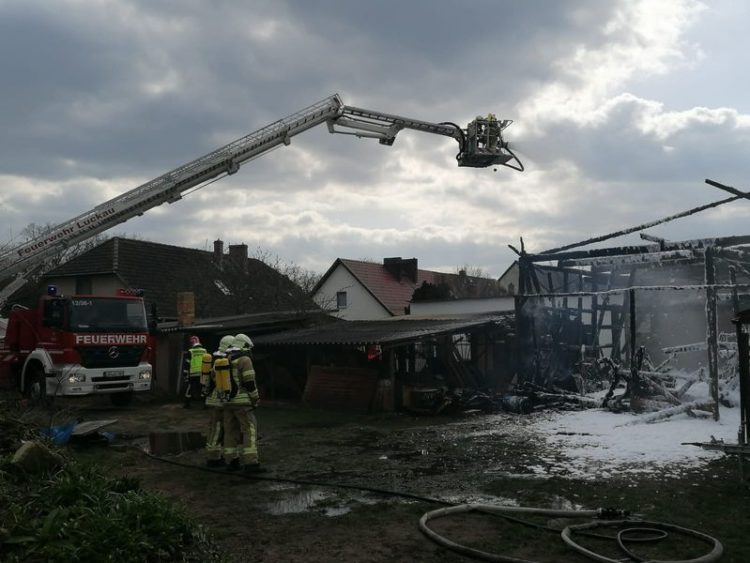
(222, 287)
(83, 286)
(341, 300)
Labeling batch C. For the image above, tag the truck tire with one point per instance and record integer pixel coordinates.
(35, 388)
(121, 399)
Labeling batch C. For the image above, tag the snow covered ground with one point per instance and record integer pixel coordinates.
(599, 444)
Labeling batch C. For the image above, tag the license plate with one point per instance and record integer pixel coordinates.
(115, 373)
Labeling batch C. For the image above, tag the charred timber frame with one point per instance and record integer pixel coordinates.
(597, 269)
(600, 274)
(712, 337)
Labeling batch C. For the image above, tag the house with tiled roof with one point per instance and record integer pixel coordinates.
(229, 293)
(222, 284)
(362, 290)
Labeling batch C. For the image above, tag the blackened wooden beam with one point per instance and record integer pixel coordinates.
(729, 189)
(580, 311)
(634, 377)
(741, 266)
(593, 253)
(645, 259)
(712, 337)
(735, 293)
(738, 254)
(619, 290)
(695, 244)
(743, 355)
(643, 226)
(618, 324)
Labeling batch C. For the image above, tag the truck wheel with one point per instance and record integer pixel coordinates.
(36, 386)
(121, 399)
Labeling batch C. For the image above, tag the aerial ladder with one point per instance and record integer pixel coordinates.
(480, 145)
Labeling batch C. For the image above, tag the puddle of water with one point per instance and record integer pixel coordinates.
(172, 443)
(300, 501)
(327, 503)
(404, 455)
(480, 499)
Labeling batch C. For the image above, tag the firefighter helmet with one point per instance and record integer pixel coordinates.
(225, 342)
(194, 341)
(242, 342)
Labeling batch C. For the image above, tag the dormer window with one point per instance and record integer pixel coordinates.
(223, 288)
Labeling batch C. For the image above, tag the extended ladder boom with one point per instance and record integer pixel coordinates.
(170, 186)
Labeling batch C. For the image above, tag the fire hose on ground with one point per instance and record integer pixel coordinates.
(648, 531)
(631, 529)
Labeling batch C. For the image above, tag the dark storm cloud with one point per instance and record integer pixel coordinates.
(78, 80)
(102, 96)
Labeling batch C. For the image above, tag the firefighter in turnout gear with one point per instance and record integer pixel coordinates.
(493, 131)
(217, 392)
(194, 359)
(240, 426)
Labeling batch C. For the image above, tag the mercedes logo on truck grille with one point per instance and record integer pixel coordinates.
(113, 352)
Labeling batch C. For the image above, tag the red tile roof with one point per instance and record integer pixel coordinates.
(395, 294)
(392, 293)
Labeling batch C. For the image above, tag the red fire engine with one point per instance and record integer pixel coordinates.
(78, 345)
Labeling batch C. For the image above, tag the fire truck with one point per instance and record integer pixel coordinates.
(58, 349)
(79, 345)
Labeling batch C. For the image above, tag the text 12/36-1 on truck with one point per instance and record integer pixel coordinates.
(78, 345)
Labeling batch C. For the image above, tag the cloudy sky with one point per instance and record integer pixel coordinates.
(621, 109)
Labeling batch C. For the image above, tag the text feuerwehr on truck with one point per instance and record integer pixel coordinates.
(78, 345)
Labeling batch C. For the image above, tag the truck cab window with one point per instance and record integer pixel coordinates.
(54, 313)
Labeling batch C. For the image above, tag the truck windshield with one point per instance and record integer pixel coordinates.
(92, 314)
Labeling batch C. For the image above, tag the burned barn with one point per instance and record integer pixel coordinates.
(655, 318)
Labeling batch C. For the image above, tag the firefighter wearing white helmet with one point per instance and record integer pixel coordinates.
(240, 426)
(217, 391)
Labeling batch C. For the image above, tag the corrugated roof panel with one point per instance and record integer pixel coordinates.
(380, 331)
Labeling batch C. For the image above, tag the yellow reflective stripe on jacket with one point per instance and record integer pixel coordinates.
(243, 372)
(243, 366)
(196, 360)
(213, 400)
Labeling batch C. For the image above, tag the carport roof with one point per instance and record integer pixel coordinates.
(387, 331)
(249, 323)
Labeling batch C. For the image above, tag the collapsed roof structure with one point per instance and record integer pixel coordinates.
(656, 317)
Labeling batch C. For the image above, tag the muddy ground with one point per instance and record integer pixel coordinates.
(342, 512)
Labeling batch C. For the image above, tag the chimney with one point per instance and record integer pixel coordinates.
(185, 308)
(218, 252)
(409, 269)
(238, 255)
(393, 266)
(400, 268)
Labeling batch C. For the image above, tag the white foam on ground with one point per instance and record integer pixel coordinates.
(597, 443)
